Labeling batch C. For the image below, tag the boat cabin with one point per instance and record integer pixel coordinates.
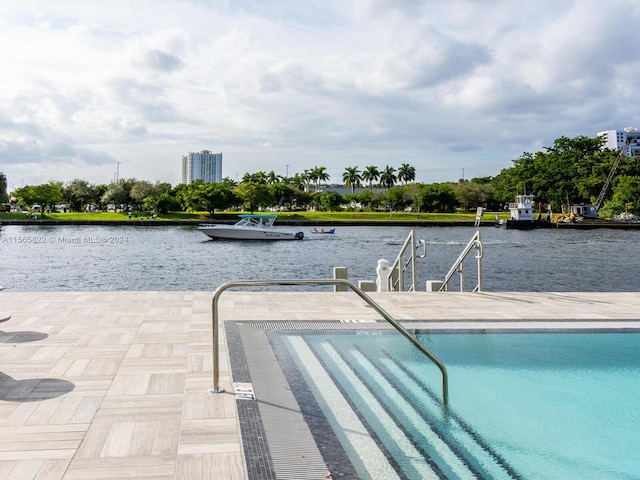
(256, 220)
(522, 208)
(585, 211)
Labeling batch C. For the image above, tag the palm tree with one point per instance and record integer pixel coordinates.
(306, 177)
(271, 178)
(298, 182)
(406, 173)
(319, 174)
(388, 177)
(370, 175)
(258, 177)
(351, 178)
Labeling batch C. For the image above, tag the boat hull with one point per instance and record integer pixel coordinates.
(331, 231)
(522, 224)
(231, 233)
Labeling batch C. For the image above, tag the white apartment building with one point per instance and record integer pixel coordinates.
(615, 140)
(204, 165)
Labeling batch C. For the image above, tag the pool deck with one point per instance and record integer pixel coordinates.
(115, 384)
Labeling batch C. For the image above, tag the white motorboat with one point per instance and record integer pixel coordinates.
(249, 227)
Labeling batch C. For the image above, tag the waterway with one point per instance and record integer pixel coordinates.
(112, 258)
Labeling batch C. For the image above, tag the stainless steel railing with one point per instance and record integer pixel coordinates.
(345, 283)
(397, 270)
(458, 266)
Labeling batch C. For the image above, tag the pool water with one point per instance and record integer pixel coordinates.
(544, 405)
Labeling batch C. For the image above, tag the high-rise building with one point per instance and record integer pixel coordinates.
(204, 165)
(615, 140)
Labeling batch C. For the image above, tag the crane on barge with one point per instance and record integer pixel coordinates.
(591, 211)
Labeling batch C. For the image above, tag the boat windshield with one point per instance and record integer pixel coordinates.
(256, 221)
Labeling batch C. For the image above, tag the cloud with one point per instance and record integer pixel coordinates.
(440, 85)
(162, 61)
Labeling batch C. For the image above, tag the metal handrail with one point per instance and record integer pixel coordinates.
(345, 283)
(396, 272)
(476, 243)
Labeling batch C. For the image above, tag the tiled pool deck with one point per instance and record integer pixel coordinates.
(114, 384)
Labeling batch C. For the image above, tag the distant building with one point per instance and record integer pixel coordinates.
(3, 188)
(615, 140)
(204, 165)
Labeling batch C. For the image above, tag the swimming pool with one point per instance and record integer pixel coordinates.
(531, 404)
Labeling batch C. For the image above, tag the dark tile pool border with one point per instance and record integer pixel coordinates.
(257, 453)
(259, 456)
(254, 439)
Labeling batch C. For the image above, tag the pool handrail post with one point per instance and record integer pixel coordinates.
(214, 321)
(328, 282)
(479, 255)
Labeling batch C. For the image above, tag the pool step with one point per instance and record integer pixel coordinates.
(411, 428)
(468, 444)
(366, 456)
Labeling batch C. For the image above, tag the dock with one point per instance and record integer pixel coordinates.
(112, 385)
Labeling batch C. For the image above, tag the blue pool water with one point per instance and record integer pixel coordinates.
(544, 405)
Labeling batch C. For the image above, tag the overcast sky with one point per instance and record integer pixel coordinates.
(449, 87)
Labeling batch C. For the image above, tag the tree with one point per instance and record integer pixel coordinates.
(571, 171)
(370, 175)
(255, 195)
(77, 194)
(395, 197)
(364, 198)
(412, 196)
(189, 195)
(141, 190)
(258, 177)
(388, 177)
(198, 196)
(216, 196)
(437, 197)
(406, 173)
(331, 201)
(319, 174)
(26, 196)
(301, 199)
(47, 195)
(163, 203)
(284, 194)
(298, 181)
(98, 192)
(229, 181)
(119, 193)
(306, 177)
(351, 178)
(626, 197)
(472, 194)
(272, 178)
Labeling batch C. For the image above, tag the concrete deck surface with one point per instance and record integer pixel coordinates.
(114, 384)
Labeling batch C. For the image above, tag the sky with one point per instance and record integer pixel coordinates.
(95, 90)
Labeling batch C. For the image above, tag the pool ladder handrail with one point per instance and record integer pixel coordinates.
(345, 283)
(458, 266)
(397, 270)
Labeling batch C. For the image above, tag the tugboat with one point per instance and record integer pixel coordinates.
(522, 215)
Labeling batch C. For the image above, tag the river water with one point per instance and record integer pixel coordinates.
(111, 258)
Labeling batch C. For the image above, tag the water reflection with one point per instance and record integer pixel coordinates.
(104, 258)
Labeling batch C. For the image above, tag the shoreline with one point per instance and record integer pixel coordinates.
(584, 225)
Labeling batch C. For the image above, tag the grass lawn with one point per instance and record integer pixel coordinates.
(379, 216)
(107, 216)
(285, 216)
